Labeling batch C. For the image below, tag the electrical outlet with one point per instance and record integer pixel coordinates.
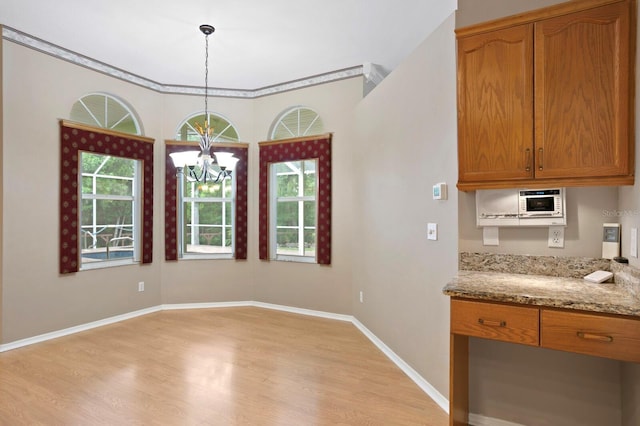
(141, 286)
(556, 236)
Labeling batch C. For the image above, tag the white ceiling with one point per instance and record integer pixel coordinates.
(257, 43)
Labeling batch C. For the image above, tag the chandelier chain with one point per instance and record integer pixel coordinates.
(206, 82)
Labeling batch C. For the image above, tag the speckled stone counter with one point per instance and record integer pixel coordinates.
(553, 281)
(540, 290)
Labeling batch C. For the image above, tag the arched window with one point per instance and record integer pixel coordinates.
(296, 122)
(107, 112)
(105, 177)
(223, 130)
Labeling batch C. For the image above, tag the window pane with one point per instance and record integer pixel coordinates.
(106, 224)
(117, 166)
(206, 232)
(288, 175)
(309, 214)
(111, 186)
(310, 178)
(287, 241)
(309, 242)
(287, 214)
(110, 175)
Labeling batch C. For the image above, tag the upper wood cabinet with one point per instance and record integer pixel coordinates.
(545, 98)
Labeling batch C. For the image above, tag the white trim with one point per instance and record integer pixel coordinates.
(301, 311)
(406, 368)
(77, 329)
(178, 306)
(478, 420)
(58, 52)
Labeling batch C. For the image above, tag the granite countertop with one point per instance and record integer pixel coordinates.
(540, 290)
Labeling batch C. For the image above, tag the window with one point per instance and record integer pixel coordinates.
(297, 121)
(107, 112)
(223, 130)
(109, 213)
(106, 181)
(293, 210)
(295, 200)
(208, 218)
(214, 216)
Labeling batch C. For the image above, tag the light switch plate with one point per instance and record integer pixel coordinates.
(633, 243)
(432, 231)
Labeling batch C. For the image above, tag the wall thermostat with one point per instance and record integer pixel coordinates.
(610, 240)
(440, 191)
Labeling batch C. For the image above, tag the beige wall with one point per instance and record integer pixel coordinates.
(406, 143)
(533, 386)
(38, 300)
(1, 176)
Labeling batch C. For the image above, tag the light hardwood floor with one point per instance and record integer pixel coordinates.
(226, 366)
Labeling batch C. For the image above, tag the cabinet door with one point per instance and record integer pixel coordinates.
(582, 94)
(495, 105)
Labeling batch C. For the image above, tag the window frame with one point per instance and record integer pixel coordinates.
(135, 199)
(75, 138)
(182, 254)
(300, 199)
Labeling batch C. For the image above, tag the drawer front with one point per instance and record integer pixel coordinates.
(515, 324)
(610, 337)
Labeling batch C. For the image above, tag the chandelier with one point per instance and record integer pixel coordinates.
(201, 166)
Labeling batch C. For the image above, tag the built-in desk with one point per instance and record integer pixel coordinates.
(567, 314)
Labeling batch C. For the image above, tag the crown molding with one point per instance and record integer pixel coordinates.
(58, 52)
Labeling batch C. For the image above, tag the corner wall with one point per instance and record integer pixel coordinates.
(1, 178)
(405, 143)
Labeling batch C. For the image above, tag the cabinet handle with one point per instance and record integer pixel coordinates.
(596, 337)
(540, 159)
(527, 159)
(492, 323)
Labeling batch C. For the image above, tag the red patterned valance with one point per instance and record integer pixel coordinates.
(75, 138)
(315, 147)
(240, 151)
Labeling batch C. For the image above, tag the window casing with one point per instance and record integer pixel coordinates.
(76, 139)
(293, 186)
(314, 150)
(235, 191)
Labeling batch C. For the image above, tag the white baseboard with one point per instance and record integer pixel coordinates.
(406, 368)
(71, 330)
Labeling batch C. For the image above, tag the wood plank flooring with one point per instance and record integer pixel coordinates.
(225, 366)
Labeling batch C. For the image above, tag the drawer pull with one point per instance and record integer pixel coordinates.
(492, 323)
(595, 337)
